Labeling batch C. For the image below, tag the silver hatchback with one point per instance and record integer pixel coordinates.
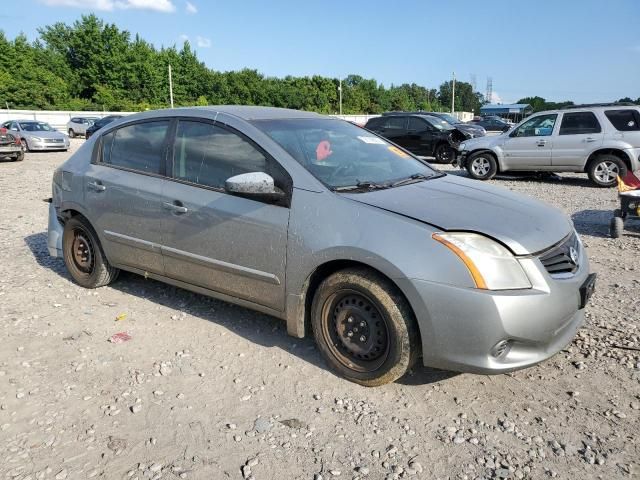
(329, 227)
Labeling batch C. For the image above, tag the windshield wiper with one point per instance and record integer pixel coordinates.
(416, 177)
(362, 185)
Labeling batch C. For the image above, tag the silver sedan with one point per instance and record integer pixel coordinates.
(331, 228)
(38, 135)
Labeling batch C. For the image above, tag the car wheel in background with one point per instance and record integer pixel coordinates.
(83, 255)
(605, 169)
(25, 144)
(616, 226)
(72, 134)
(19, 157)
(482, 166)
(364, 327)
(444, 153)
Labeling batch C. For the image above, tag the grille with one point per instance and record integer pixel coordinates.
(559, 259)
(53, 140)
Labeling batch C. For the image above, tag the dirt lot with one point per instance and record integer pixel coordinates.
(208, 390)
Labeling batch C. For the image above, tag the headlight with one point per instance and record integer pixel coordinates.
(491, 265)
(37, 139)
(462, 146)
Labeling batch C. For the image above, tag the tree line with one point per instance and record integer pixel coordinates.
(93, 65)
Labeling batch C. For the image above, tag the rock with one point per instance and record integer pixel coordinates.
(62, 474)
(294, 423)
(137, 408)
(362, 470)
(335, 473)
(262, 425)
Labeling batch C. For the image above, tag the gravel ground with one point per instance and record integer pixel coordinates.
(205, 389)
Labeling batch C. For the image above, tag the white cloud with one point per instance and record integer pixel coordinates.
(184, 37)
(191, 8)
(495, 98)
(165, 6)
(203, 42)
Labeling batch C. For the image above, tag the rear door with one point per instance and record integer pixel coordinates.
(123, 193)
(226, 243)
(529, 146)
(580, 134)
(395, 129)
(420, 137)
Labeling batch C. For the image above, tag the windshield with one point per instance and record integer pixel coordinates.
(439, 123)
(449, 118)
(340, 154)
(36, 127)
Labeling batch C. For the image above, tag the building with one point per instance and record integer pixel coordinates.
(511, 111)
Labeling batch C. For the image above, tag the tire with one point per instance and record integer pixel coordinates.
(445, 154)
(482, 166)
(616, 227)
(72, 134)
(19, 157)
(604, 170)
(83, 255)
(387, 344)
(25, 144)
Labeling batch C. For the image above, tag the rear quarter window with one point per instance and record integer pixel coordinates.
(627, 120)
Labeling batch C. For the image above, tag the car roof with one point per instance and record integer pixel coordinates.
(248, 112)
(586, 108)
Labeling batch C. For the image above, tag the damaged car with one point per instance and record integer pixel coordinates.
(423, 135)
(10, 146)
(333, 229)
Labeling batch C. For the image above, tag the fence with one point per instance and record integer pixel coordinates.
(57, 119)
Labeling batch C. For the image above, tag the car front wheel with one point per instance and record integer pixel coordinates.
(72, 134)
(482, 166)
(83, 255)
(364, 327)
(445, 153)
(605, 169)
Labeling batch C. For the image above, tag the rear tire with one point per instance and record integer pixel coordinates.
(616, 227)
(604, 169)
(83, 255)
(19, 157)
(482, 166)
(25, 144)
(445, 154)
(72, 134)
(364, 327)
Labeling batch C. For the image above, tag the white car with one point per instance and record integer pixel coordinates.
(78, 125)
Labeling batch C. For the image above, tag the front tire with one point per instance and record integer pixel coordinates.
(364, 327)
(25, 144)
(444, 154)
(482, 166)
(604, 170)
(83, 255)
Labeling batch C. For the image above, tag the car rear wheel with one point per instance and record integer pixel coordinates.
(83, 255)
(364, 327)
(25, 144)
(444, 153)
(72, 134)
(482, 166)
(604, 170)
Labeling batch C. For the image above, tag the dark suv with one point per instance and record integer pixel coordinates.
(423, 135)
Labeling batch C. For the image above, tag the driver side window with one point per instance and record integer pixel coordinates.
(540, 126)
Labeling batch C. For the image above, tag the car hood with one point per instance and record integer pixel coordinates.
(451, 203)
(43, 134)
(488, 141)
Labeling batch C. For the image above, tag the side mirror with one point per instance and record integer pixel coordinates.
(256, 185)
(506, 128)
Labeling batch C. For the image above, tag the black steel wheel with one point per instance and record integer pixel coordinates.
(83, 255)
(364, 327)
(444, 154)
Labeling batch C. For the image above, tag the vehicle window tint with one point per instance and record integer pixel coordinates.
(395, 122)
(138, 146)
(579, 122)
(624, 120)
(540, 126)
(417, 124)
(375, 123)
(208, 155)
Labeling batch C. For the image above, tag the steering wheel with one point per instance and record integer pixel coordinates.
(342, 169)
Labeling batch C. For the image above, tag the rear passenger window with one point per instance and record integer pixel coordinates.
(417, 124)
(624, 120)
(579, 122)
(208, 155)
(395, 122)
(138, 147)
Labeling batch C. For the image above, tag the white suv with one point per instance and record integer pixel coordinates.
(602, 140)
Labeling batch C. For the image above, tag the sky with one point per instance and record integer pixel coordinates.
(579, 50)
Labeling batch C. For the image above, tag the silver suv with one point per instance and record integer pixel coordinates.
(78, 125)
(601, 140)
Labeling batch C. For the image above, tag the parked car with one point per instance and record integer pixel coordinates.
(491, 124)
(78, 125)
(98, 124)
(469, 128)
(331, 228)
(603, 141)
(421, 134)
(10, 146)
(36, 135)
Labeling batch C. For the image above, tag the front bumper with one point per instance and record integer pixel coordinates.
(10, 152)
(462, 327)
(34, 145)
(54, 233)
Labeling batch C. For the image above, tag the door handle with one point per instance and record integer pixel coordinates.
(175, 207)
(589, 139)
(98, 187)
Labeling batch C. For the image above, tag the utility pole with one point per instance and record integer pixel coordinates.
(453, 93)
(170, 86)
(340, 94)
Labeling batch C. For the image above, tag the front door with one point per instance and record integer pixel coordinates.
(395, 130)
(420, 137)
(529, 146)
(226, 243)
(123, 194)
(580, 134)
